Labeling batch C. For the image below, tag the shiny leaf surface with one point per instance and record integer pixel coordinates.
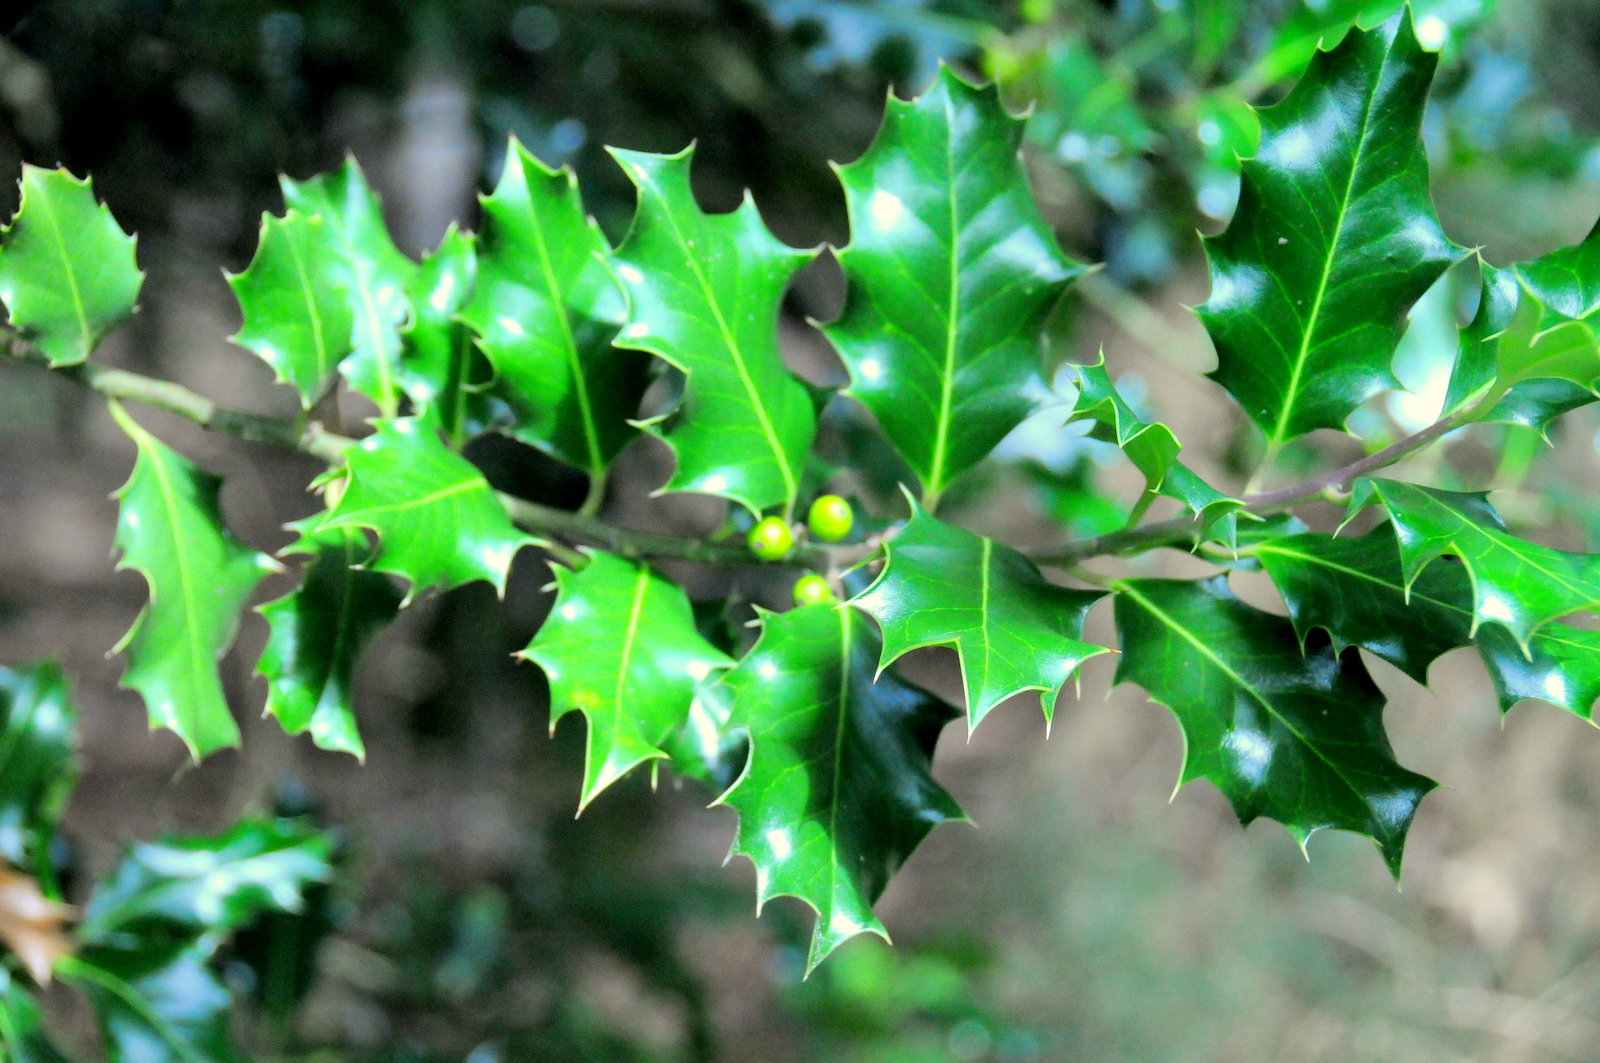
(952, 273)
(317, 633)
(170, 530)
(704, 292)
(438, 522)
(836, 793)
(621, 647)
(546, 309)
(437, 360)
(1334, 237)
(1291, 735)
(1013, 630)
(68, 274)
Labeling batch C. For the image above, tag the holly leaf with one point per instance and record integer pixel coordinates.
(358, 257)
(952, 273)
(704, 293)
(836, 793)
(546, 309)
(22, 1031)
(1335, 236)
(1152, 448)
(170, 530)
(317, 633)
(620, 646)
(1295, 735)
(297, 318)
(1540, 345)
(1519, 584)
(1354, 589)
(68, 274)
(1012, 629)
(150, 934)
(437, 361)
(438, 522)
(38, 767)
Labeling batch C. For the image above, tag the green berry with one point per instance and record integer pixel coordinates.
(812, 589)
(830, 518)
(771, 539)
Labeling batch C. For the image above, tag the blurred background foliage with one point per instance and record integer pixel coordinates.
(1087, 919)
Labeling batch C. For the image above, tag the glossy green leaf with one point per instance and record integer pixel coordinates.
(297, 318)
(1519, 584)
(621, 647)
(38, 768)
(952, 273)
(68, 274)
(170, 530)
(1539, 345)
(836, 793)
(1353, 588)
(1152, 448)
(546, 309)
(1293, 735)
(1012, 629)
(358, 257)
(23, 1038)
(1334, 237)
(317, 633)
(436, 364)
(704, 293)
(150, 933)
(438, 522)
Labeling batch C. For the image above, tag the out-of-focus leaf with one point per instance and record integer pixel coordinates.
(37, 766)
(67, 270)
(1013, 630)
(438, 522)
(620, 646)
(22, 1032)
(836, 793)
(31, 924)
(297, 317)
(704, 295)
(1334, 237)
(546, 309)
(1519, 584)
(952, 272)
(317, 633)
(170, 530)
(1292, 733)
(358, 257)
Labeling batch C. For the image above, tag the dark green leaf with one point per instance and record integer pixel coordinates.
(318, 632)
(1013, 630)
(704, 295)
(170, 530)
(297, 317)
(1514, 582)
(952, 273)
(438, 522)
(67, 270)
(621, 647)
(546, 309)
(38, 768)
(1334, 238)
(837, 792)
(1293, 735)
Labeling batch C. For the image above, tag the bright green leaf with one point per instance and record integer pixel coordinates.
(1514, 582)
(297, 318)
(1013, 630)
(38, 768)
(620, 646)
(836, 793)
(67, 270)
(22, 1032)
(704, 292)
(437, 361)
(318, 632)
(546, 309)
(1538, 345)
(952, 273)
(1334, 237)
(170, 530)
(358, 257)
(1293, 735)
(438, 522)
